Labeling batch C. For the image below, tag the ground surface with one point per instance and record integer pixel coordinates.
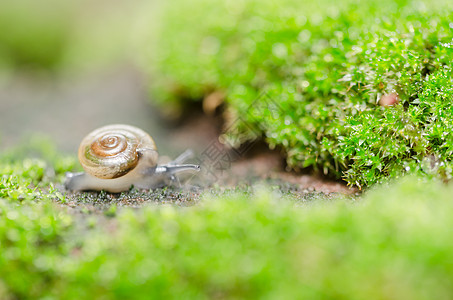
(66, 110)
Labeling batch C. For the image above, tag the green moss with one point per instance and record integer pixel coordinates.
(392, 243)
(322, 69)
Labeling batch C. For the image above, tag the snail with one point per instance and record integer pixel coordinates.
(116, 157)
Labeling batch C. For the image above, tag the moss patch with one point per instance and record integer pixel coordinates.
(309, 77)
(394, 242)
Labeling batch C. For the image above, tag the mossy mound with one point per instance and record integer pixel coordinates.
(310, 78)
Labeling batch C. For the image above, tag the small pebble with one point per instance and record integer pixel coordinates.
(389, 100)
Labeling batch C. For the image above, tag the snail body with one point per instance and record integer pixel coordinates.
(116, 157)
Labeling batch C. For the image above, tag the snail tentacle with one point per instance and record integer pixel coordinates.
(188, 154)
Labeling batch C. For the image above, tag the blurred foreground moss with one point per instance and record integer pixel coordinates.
(393, 243)
(309, 78)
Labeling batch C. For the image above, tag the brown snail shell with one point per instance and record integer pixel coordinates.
(113, 151)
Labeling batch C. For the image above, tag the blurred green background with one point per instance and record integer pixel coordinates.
(54, 35)
(67, 67)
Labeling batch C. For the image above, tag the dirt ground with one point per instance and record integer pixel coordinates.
(67, 109)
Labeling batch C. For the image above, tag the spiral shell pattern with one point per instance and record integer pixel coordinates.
(114, 150)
